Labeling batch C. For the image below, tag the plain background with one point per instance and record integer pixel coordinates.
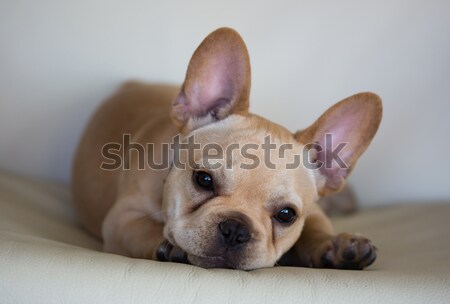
(59, 59)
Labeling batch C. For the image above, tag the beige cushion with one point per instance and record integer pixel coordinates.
(46, 258)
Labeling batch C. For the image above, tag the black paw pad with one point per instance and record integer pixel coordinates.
(327, 258)
(166, 252)
(163, 251)
(349, 253)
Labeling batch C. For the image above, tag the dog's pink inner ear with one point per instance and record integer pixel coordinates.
(343, 132)
(210, 90)
(217, 81)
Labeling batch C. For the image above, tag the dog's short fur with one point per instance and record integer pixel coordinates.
(163, 214)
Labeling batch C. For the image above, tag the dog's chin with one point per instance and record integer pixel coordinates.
(211, 262)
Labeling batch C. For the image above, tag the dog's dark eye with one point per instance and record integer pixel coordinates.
(204, 180)
(285, 215)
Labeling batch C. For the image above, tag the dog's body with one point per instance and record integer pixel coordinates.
(218, 217)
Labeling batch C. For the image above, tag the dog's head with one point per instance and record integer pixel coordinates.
(242, 199)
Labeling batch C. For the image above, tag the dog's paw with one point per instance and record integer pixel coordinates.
(345, 251)
(166, 252)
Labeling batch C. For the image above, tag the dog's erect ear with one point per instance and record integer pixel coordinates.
(352, 121)
(217, 82)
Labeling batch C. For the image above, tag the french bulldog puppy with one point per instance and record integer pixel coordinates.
(219, 214)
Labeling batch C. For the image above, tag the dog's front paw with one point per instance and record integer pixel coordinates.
(345, 251)
(166, 252)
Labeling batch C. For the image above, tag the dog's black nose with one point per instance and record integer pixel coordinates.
(234, 233)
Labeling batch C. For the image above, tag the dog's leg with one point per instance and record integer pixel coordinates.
(129, 231)
(319, 247)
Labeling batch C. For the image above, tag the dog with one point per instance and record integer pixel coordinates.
(226, 217)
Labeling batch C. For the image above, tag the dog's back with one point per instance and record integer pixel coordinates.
(133, 108)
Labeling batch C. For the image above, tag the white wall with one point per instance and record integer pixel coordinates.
(58, 59)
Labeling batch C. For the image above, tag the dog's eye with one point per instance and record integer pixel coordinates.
(204, 180)
(285, 215)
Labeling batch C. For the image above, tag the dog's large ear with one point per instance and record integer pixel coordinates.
(340, 136)
(217, 82)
